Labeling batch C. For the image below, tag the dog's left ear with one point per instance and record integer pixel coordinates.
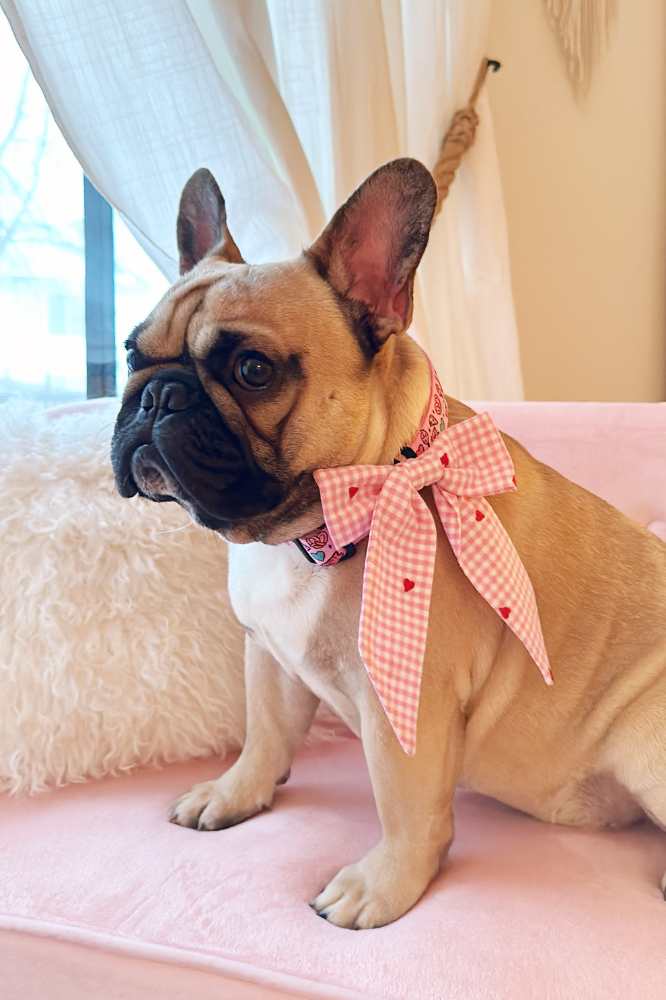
(202, 223)
(371, 248)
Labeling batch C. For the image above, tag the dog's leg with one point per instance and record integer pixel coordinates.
(279, 712)
(653, 801)
(413, 796)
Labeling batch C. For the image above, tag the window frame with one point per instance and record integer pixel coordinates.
(100, 331)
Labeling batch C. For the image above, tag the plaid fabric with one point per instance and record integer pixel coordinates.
(463, 464)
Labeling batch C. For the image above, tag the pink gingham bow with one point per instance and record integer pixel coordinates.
(464, 464)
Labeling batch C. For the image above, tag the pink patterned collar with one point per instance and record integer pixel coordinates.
(463, 465)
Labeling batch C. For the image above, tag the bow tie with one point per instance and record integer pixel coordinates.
(463, 465)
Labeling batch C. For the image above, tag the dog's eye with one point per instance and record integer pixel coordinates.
(132, 360)
(253, 371)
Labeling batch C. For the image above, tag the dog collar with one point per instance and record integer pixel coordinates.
(463, 464)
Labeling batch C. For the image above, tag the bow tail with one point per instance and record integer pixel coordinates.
(397, 586)
(491, 563)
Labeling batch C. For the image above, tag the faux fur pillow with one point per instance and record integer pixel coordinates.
(118, 646)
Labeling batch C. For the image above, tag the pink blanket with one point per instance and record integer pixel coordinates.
(522, 910)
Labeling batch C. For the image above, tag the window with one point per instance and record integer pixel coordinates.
(43, 244)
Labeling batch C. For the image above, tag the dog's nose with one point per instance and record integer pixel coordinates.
(169, 394)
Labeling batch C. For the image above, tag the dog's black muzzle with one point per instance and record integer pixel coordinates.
(170, 443)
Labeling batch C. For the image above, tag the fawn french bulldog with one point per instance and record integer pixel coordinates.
(244, 381)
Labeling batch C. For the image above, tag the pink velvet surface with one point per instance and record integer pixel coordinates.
(43, 968)
(616, 450)
(522, 910)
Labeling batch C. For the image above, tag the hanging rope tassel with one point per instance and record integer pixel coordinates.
(459, 137)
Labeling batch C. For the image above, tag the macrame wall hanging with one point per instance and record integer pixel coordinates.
(582, 28)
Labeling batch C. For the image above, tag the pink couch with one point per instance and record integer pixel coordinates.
(101, 898)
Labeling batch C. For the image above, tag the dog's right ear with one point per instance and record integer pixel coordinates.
(371, 248)
(202, 223)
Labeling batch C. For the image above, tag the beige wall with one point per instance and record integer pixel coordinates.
(585, 194)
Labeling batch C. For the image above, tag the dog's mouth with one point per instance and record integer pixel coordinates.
(150, 475)
(171, 444)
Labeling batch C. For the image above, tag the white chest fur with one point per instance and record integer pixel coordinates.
(279, 597)
(293, 609)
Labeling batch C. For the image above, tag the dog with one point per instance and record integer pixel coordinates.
(243, 382)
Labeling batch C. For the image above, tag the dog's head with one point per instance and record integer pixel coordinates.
(245, 379)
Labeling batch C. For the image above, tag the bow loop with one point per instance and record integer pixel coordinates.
(348, 498)
(478, 463)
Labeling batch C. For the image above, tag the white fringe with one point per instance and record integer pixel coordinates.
(582, 28)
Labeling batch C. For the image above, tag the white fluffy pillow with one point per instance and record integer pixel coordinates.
(118, 646)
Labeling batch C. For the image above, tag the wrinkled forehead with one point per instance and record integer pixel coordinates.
(220, 296)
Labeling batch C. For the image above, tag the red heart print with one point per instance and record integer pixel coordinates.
(513, 480)
(353, 490)
(445, 460)
(479, 515)
(505, 612)
(408, 585)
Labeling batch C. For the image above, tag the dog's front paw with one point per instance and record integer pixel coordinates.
(213, 805)
(371, 893)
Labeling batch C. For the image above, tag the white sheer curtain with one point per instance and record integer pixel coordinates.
(290, 103)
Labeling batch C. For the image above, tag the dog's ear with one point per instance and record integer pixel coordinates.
(202, 223)
(370, 249)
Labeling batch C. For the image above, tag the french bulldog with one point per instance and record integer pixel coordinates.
(246, 379)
